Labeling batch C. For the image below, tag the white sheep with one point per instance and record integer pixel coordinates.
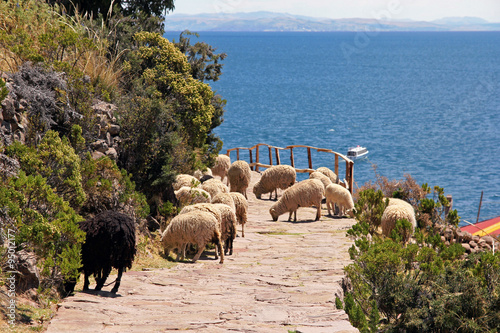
(397, 211)
(337, 194)
(188, 196)
(274, 178)
(185, 180)
(214, 187)
(239, 175)
(320, 176)
(199, 173)
(241, 204)
(195, 227)
(329, 173)
(222, 164)
(224, 198)
(396, 201)
(226, 217)
(306, 193)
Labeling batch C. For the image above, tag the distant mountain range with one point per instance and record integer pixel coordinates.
(268, 21)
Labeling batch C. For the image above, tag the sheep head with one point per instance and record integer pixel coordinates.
(274, 214)
(257, 190)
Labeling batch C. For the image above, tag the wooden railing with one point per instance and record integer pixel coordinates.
(254, 152)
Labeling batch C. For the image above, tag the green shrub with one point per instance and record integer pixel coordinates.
(46, 225)
(56, 161)
(107, 188)
(421, 287)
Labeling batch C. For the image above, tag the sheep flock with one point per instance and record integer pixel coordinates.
(213, 208)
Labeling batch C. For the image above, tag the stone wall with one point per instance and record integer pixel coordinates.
(14, 123)
(471, 243)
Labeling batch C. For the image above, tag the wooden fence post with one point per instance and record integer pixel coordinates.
(309, 157)
(257, 158)
(251, 159)
(277, 152)
(337, 165)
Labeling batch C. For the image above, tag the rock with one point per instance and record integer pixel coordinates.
(466, 237)
(20, 136)
(114, 129)
(104, 108)
(448, 233)
(97, 155)
(466, 247)
(9, 167)
(485, 246)
(8, 108)
(99, 145)
(488, 239)
(459, 236)
(111, 153)
(438, 228)
(473, 244)
(109, 140)
(29, 276)
(6, 127)
(476, 238)
(443, 239)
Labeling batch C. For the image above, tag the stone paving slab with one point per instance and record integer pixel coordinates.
(282, 276)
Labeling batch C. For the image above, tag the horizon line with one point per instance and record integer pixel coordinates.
(332, 18)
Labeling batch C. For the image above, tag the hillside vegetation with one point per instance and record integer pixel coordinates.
(99, 112)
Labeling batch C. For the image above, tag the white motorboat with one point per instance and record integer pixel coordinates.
(355, 153)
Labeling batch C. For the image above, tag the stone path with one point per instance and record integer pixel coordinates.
(281, 277)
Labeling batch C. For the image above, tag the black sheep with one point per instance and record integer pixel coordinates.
(205, 178)
(110, 243)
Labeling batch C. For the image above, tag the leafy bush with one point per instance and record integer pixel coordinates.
(168, 121)
(55, 160)
(109, 188)
(46, 225)
(421, 287)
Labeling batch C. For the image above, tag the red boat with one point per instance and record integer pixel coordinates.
(489, 227)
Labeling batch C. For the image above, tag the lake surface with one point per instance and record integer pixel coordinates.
(423, 103)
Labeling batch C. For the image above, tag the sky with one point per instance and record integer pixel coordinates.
(420, 10)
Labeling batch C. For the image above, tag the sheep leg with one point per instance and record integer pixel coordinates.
(243, 230)
(86, 281)
(201, 247)
(329, 207)
(118, 280)
(184, 251)
(98, 279)
(228, 246)
(290, 216)
(102, 280)
(221, 250)
(318, 212)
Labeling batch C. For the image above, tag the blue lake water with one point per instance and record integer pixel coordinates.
(424, 103)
